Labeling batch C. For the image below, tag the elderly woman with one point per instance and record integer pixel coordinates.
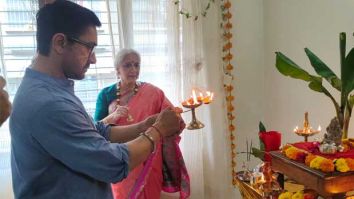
(129, 101)
(5, 105)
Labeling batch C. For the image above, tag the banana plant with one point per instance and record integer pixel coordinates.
(344, 84)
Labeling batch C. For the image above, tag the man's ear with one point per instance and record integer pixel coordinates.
(59, 42)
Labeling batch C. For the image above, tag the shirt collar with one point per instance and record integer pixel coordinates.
(61, 82)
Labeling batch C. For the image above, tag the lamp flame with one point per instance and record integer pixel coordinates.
(195, 100)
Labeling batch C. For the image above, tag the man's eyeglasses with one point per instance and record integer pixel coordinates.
(91, 46)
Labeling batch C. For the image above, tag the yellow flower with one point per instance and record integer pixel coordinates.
(285, 195)
(298, 195)
(316, 162)
(341, 165)
(291, 153)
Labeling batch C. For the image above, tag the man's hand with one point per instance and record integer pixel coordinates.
(168, 122)
(5, 105)
(149, 121)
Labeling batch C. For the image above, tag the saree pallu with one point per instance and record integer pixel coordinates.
(163, 170)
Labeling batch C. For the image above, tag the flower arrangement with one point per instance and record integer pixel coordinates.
(318, 162)
(295, 154)
(296, 195)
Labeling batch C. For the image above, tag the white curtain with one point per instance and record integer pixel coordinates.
(195, 62)
(187, 55)
(178, 54)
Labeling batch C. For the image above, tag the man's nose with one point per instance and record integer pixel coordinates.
(93, 58)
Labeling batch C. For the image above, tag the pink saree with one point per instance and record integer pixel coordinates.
(163, 170)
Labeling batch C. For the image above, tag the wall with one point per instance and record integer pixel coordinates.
(262, 93)
(249, 70)
(290, 26)
(249, 73)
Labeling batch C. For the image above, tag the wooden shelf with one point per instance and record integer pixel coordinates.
(328, 185)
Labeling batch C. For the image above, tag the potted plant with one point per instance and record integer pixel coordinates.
(344, 84)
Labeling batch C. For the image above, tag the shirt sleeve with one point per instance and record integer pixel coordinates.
(101, 106)
(67, 133)
(103, 129)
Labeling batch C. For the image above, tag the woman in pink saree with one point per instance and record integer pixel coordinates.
(130, 101)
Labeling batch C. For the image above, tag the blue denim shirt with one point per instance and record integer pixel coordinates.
(57, 150)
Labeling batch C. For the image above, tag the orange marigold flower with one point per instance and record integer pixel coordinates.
(350, 163)
(228, 25)
(327, 165)
(229, 88)
(229, 67)
(228, 35)
(232, 137)
(231, 128)
(227, 5)
(230, 108)
(228, 57)
(228, 15)
(230, 98)
(227, 46)
(309, 158)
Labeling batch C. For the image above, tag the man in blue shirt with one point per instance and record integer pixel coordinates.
(57, 151)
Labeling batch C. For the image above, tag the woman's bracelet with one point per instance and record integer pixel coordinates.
(151, 140)
(158, 130)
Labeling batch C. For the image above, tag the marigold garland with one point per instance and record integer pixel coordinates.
(319, 162)
(227, 68)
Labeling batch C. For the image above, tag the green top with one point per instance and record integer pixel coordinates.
(105, 97)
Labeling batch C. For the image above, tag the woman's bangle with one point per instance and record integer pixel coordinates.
(151, 140)
(158, 130)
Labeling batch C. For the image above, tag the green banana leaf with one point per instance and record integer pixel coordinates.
(316, 84)
(348, 74)
(289, 68)
(351, 102)
(323, 70)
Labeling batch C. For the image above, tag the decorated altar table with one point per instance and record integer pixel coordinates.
(328, 185)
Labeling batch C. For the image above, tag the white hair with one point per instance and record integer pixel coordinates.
(120, 56)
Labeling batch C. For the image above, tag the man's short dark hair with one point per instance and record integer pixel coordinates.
(65, 17)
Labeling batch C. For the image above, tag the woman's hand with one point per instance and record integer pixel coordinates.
(120, 111)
